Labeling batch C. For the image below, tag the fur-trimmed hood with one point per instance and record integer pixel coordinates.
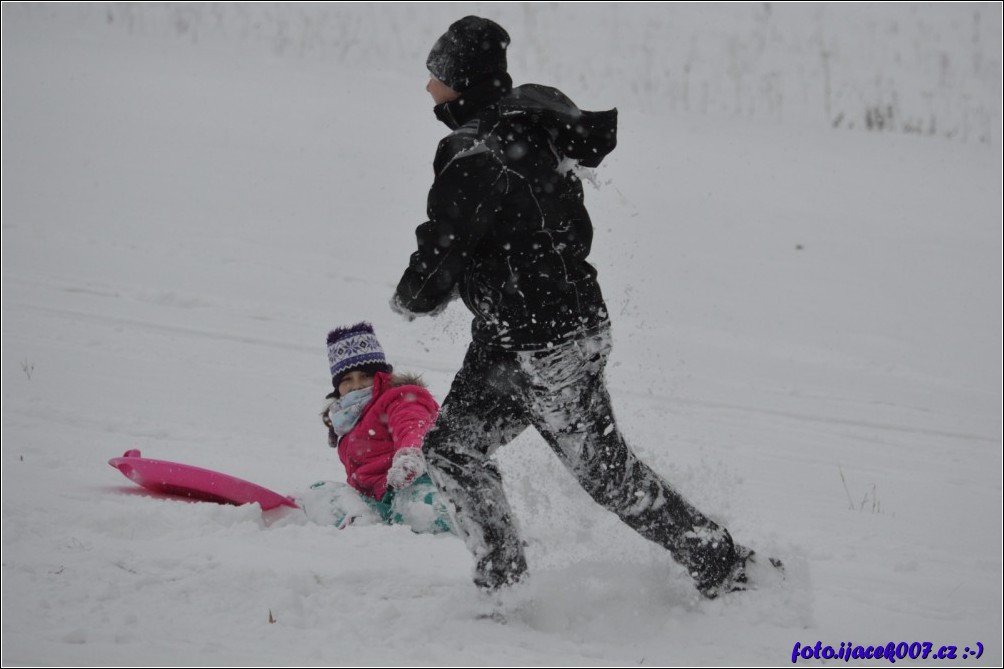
(407, 379)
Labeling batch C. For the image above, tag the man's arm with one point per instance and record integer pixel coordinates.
(462, 205)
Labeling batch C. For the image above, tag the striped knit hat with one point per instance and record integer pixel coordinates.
(355, 347)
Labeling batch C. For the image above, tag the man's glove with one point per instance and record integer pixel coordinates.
(398, 308)
(408, 465)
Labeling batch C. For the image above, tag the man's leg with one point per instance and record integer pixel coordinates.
(480, 414)
(571, 409)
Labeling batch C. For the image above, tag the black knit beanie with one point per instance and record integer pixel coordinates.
(472, 50)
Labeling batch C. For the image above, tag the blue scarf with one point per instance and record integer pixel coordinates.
(345, 412)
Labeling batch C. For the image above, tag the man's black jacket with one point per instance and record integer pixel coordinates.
(507, 227)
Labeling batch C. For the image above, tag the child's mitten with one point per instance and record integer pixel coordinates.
(408, 465)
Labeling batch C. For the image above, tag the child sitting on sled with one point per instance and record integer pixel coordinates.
(376, 420)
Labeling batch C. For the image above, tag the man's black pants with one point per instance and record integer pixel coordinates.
(562, 393)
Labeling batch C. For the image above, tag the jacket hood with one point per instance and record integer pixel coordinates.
(407, 380)
(584, 136)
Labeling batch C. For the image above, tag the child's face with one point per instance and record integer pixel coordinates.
(354, 380)
(440, 92)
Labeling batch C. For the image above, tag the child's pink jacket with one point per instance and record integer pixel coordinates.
(397, 417)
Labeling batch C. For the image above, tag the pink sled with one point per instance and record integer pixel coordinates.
(174, 478)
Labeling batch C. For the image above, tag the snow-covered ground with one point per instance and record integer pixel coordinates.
(807, 330)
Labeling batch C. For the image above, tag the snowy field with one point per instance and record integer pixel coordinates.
(807, 342)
